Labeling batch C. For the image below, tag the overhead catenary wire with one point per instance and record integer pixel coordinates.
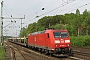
(6, 12)
(80, 7)
(48, 11)
(9, 16)
(56, 8)
(44, 7)
(11, 10)
(50, 4)
(40, 11)
(51, 10)
(67, 8)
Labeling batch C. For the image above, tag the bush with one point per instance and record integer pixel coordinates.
(87, 42)
(80, 41)
(2, 53)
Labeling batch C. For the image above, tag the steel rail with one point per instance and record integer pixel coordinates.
(13, 52)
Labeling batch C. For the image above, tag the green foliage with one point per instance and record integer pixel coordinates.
(77, 12)
(80, 40)
(77, 24)
(2, 53)
(23, 32)
(59, 26)
(87, 41)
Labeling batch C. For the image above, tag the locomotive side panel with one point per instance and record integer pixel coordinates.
(40, 40)
(47, 41)
(50, 40)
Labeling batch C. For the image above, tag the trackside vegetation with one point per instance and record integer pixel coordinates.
(80, 41)
(77, 24)
(2, 53)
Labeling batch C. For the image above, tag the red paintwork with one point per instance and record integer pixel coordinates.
(43, 40)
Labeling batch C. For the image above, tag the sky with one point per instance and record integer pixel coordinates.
(32, 8)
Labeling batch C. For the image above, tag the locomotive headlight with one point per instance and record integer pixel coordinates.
(57, 41)
(67, 41)
(68, 45)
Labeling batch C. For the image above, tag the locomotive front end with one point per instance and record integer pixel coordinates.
(62, 42)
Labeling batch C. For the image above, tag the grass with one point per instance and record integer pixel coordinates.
(2, 53)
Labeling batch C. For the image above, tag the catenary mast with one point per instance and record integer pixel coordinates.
(1, 23)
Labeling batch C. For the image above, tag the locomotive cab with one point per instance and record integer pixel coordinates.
(62, 42)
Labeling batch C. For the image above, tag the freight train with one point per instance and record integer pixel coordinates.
(47, 41)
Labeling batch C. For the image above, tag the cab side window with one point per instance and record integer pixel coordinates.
(48, 35)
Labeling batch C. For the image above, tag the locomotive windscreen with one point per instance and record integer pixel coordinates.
(60, 34)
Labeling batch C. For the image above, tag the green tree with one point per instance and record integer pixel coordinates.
(75, 23)
(77, 12)
(23, 32)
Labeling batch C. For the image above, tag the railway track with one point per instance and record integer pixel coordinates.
(84, 55)
(14, 51)
(29, 54)
(81, 53)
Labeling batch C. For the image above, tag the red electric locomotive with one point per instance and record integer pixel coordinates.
(50, 41)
